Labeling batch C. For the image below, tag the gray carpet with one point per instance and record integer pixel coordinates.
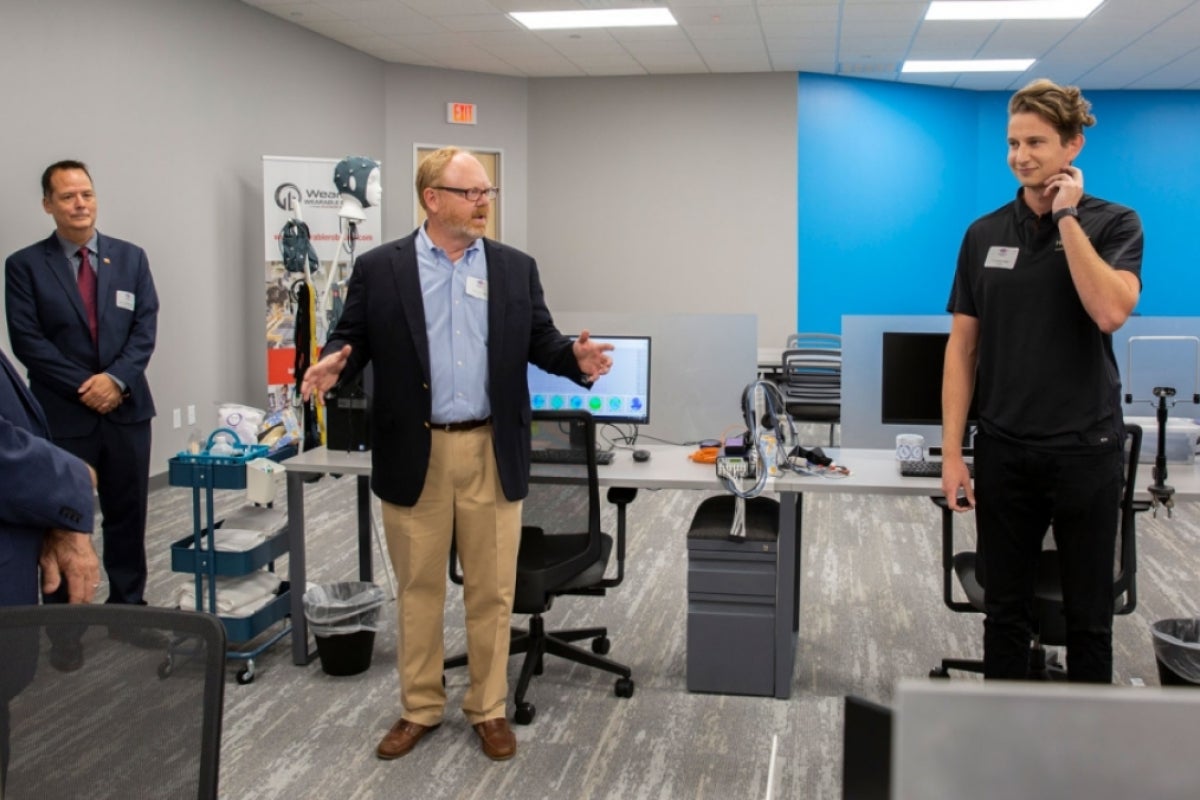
(871, 614)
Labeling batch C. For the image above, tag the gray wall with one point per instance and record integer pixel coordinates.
(667, 194)
(172, 103)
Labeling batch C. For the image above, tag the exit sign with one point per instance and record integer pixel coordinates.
(460, 113)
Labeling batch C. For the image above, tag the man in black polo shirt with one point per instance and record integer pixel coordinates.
(1041, 284)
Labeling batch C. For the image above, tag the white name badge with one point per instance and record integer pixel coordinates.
(125, 300)
(1002, 257)
(477, 287)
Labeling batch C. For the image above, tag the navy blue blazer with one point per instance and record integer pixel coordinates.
(44, 487)
(48, 328)
(384, 322)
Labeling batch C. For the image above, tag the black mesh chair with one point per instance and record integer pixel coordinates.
(1049, 621)
(129, 722)
(563, 552)
(812, 378)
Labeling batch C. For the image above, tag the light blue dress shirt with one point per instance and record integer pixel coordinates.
(456, 324)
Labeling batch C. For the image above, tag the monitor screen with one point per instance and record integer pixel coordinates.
(623, 395)
(912, 379)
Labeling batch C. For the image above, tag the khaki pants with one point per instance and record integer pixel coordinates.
(462, 492)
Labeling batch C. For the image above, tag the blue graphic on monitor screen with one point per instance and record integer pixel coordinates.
(557, 402)
(636, 404)
(614, 404)
(594, 404)
(538, 401)
(576, 402)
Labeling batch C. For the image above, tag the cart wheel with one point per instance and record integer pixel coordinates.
(601, 645)
(623, 687)
(166, 667)
(524, 714)
(246, 674)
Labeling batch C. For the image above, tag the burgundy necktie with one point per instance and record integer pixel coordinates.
(87, 290)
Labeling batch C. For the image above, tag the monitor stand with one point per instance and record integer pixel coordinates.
(968, 445)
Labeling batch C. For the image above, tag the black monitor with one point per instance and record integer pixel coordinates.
(623, 395)
(911, 389)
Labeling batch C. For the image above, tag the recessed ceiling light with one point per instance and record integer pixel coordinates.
(599, 18)
(1010, 9)
(970, 65)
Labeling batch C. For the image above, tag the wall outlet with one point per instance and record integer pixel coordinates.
(177, 418)
(191, 415)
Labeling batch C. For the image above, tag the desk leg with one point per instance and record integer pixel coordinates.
(787, 591)
(297, 573)
(364, 528)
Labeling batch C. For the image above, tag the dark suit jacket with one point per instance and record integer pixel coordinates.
(41, 487)
(48, 328)
(384, 322)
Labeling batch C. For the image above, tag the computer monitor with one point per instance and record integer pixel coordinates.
(911, 386)
(623, 395)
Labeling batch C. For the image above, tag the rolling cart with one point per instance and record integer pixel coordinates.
(206, 472)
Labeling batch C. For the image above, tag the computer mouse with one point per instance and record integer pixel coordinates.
(641, 455)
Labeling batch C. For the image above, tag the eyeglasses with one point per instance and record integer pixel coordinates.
(471, 195)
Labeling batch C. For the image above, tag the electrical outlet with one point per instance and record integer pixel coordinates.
(191, 415)
(177, 418)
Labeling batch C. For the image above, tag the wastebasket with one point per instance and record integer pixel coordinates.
(344, 618)
(1177, 650)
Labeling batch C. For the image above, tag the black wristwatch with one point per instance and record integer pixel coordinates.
(1069, 211)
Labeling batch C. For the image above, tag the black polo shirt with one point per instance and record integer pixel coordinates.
(1046, 376)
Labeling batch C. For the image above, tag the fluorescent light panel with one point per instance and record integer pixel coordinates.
(1010, 9)
(599, 18)
(975, 65)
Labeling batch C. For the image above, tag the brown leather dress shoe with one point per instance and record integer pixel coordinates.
(401, 739)
(498, 741)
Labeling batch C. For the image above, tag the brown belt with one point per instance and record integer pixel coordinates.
(468, 425)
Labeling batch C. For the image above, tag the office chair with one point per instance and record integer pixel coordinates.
(812, 378)
(129, 722)
(566, 554)
(1049, 621)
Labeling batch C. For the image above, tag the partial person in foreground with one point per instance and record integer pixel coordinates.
(450, 320)
(1041, 285)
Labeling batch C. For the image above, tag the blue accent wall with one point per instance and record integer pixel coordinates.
(890, 175)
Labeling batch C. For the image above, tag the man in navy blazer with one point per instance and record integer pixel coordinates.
(82, 315)
(450, 320)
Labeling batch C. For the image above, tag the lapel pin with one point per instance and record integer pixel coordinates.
(106, 261)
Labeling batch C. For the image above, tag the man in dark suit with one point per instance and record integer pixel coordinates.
(45, 515)
(450, 320)
(82, 315)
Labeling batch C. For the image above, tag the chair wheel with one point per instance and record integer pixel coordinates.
(624, 687)
(939, 672)
(166, 667)
(524, 714)
(601, 645)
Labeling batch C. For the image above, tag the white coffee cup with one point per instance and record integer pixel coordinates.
(910, 447)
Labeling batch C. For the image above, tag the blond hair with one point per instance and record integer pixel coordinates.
(430, 170)
(1064, 107)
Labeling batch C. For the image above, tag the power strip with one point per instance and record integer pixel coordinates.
(735, 467)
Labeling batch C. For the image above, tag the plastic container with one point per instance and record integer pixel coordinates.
(344, 618)
(1177, 651)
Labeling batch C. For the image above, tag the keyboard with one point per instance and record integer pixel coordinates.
(928, 469)
(566, 456)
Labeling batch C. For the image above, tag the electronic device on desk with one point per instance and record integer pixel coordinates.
(621, 396)
(348, 418)
(928, 469)
(911, 391)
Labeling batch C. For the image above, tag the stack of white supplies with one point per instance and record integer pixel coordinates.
(238, 596)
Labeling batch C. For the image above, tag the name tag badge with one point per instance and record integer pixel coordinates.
(125, 300)
(477, 288)
(1001, 257)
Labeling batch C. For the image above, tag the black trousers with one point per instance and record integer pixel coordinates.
(121, 456)
(1020, 493)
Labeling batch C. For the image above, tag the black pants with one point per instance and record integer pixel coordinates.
(121, 457)
(1019, 494)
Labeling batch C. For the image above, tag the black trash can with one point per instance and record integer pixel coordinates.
(1177, 651)
(344, 618)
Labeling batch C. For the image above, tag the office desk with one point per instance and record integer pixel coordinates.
(872, 472)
